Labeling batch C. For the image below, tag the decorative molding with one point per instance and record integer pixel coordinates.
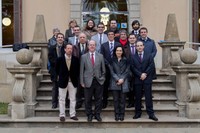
(18, 89)
(194, 87)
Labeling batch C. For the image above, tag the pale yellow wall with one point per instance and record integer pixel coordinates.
(154, 17)
(56, 14)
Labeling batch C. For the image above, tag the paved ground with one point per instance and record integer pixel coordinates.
(107, 130)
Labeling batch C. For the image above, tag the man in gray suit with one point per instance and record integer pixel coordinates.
(100, 37)
(92, 77)
(74, 40)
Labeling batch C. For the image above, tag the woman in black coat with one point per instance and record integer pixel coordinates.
(119, 69)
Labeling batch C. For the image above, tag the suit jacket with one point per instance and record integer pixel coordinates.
(96, 39)
(146, 66)
(105, 51)
(68, 33)
(77, 50)
(72, 40)
(149, 46)
(87, 71)
(119, 70)
(52, 56)
(64, 73)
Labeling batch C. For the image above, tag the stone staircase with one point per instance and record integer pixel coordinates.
(163, 91)
(164, 99)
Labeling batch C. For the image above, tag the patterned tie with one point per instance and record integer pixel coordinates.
(111, 49)
(83, 50)
(92, 59)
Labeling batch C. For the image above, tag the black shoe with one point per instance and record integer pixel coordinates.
(104, 105)
(89, 119)
(136, 116)
(121, 118)
(130, 105)
(98, 118)
(78, 106)
(153, 117)
(54, 106)
(62, 119)
(74, 118)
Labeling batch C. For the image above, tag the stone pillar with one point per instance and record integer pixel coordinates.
(24, 88)
(39, 45)
(188, 85)
(171, 46)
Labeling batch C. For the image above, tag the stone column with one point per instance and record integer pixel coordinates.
(171, 46)
(24, 88)
(39, 46)
(188, 85)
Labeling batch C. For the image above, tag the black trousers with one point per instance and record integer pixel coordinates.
(131, 93)
(95, 90)
(119, 102)
(106, 85)
(55, 93)
(148, 99)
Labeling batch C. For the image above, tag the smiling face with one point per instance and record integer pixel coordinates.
(119, 52)
(92, 46)
(60, 38)
(68, 49)
(132, 39)
(100, 28)
(140, 46)
(143, 33)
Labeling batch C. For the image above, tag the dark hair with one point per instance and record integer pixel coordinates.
(143, 28)
(60, 34)
(135, 22)
(111, 31)
(100, 23)
(77, 26)
(115, 49)
(66, 44)
(131, 34)
(87, 27)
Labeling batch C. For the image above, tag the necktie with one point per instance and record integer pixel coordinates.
(111, 49)
(132, 50)
(59, 51)
(92, 59)
(82, 49)
(100, 39)
(140, 55)
(76, 41)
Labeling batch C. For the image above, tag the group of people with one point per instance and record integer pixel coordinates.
(93, 62)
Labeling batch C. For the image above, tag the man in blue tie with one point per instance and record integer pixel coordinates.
(143, 69)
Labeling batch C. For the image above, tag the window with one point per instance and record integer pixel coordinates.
(105, 10)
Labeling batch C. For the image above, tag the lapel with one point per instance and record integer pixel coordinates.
(108, 48)
(96, 59)
(89, 59)
(65, 63)
(138, 58)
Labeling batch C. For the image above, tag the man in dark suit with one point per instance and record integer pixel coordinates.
(92, 77)
(74, 40)
(67, 69)
(149, 44)
(55, 51)
(142, 68)
(80, 49)
(107, 51)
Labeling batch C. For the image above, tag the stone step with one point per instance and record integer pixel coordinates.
(165, 121)
(166, 100)
(46, 76)
(109, 111)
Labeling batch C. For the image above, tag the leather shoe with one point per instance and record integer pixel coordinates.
(54, 106)
(78, 106)
(130, 105)
(74, 118)
(136, 116)
(104, 105)
(98, 118)
(62, 119)
(153, 117)
(121, 118)
(89, 119)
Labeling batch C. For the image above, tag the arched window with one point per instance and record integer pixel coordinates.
(105, 10)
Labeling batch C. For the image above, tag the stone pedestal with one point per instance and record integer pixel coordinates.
(193, 110)
(24, 91)
(187, 88)
(170, 55)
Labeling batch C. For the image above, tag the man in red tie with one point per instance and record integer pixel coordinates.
(92, 77)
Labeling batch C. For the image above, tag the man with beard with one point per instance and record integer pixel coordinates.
(136, 28)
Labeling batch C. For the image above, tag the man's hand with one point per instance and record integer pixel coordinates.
(143, 76)
(120, 81)
(83, 85)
